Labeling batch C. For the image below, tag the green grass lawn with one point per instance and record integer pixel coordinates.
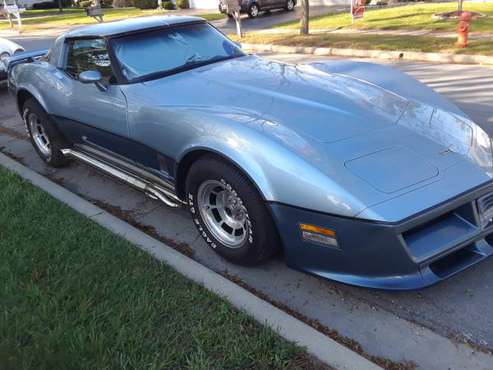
(75, 296)
(43, 19)
(409, 17)
(371, 42)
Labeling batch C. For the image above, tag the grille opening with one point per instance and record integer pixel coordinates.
(426, 225)
(455, 262)
(438, 235)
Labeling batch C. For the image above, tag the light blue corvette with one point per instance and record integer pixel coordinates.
(357, 172)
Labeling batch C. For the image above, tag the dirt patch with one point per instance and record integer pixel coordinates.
(455, 15)
(13, 133)
(150, 230)
(11, 155)
(306, 362)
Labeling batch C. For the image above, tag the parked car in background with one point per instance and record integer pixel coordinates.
(254, 7)
(356, 171)
(7, 49)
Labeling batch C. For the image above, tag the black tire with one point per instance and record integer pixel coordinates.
(290, 4)
(55, 158)
(262, 241)
(253, 10)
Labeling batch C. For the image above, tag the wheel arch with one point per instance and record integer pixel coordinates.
(23, 94)
(191, 156)
(185, 163)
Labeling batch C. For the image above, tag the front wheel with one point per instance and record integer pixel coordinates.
(229, 213)
(290, 5)
(253, 10)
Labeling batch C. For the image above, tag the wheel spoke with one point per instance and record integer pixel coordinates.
(222, 218)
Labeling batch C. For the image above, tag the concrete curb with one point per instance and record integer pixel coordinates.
(324, 348)
(375, 54)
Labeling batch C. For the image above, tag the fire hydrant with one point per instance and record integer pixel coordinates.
(463, 29)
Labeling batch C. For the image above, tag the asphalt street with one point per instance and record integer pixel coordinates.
(386, 324)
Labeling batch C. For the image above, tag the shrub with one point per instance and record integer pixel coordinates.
(106, 3)
(184, 4)
(145, 4)
(122, 3)
(168, 5)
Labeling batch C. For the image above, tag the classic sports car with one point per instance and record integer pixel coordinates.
(7, 49)
(358, 172)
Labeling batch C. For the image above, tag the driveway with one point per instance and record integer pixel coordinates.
(407, 326)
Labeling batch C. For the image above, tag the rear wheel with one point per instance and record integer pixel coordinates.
(229, 213)
(45, 138)
(253, 10)
(290, 5)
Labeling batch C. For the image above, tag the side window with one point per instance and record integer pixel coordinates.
(88, 55)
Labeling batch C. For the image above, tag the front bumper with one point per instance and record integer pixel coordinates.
(417, 252)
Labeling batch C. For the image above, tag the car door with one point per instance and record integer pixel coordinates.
(96, 114)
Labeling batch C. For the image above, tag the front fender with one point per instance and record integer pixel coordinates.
(280, 175)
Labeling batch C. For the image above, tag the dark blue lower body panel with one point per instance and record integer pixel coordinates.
(379, 255)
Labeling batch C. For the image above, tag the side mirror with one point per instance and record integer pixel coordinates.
(90, 77)
(93, 77)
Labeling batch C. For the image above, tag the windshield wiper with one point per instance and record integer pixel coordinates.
(197, 61)
(190, 64)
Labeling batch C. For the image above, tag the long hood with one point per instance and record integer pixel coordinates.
(368, 142)
(321, 106)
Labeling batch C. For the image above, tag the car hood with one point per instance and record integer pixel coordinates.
(320, 106)
(375, 144)
(299, 103)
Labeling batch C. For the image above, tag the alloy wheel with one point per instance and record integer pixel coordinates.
(223, 213)
(39, 135)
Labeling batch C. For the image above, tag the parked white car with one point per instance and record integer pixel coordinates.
(7, 49)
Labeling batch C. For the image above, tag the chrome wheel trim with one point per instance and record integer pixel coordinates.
(223, 213)
(290, 4)
(38, 134)
(254, 10)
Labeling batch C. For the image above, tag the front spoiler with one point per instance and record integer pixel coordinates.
(419, 252)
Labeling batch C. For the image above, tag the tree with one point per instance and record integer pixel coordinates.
(305, 15)
(60, 6)
(459, 6)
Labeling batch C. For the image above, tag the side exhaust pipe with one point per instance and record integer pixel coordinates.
(154, 191)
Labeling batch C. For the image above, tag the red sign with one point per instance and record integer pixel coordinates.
(357, 8)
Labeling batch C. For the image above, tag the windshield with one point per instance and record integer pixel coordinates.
(161, 52)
